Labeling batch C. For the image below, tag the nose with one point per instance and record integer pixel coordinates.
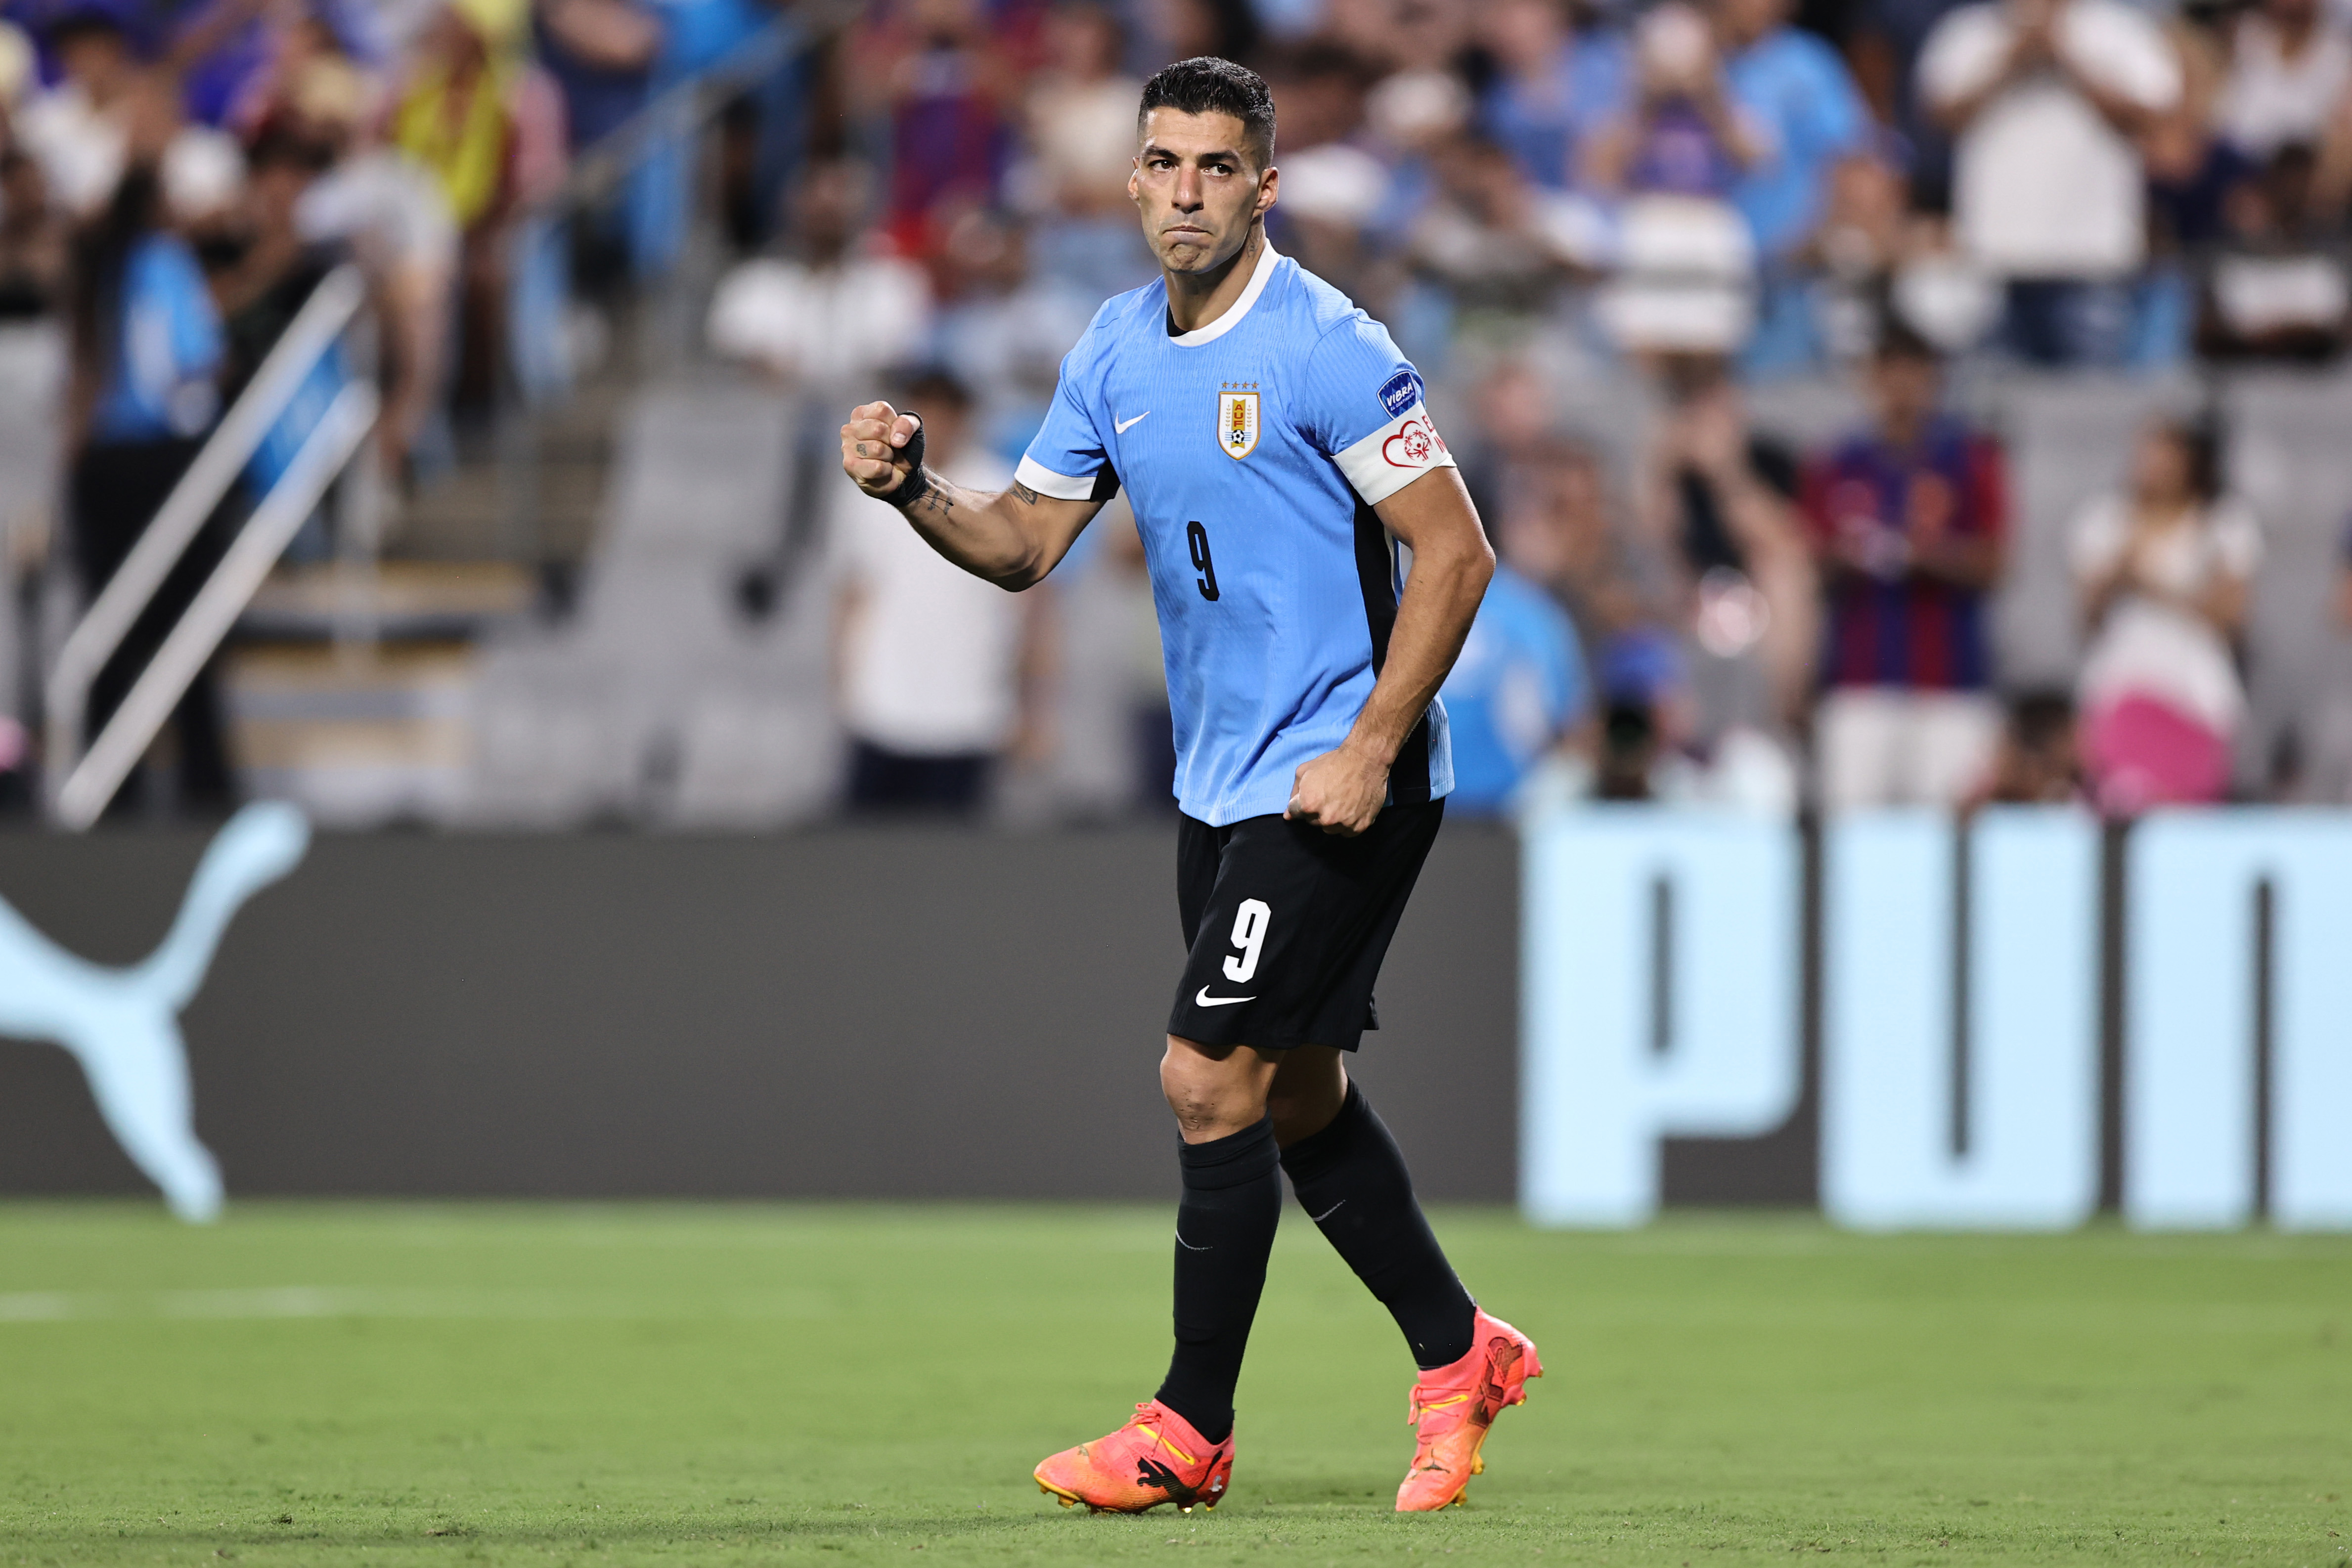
(1189, 195)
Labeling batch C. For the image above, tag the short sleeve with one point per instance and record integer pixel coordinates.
(1069, 459)
(2129, 53)
(1961, 55)
(1360, 403)
(2237, 540)
(2098, 538)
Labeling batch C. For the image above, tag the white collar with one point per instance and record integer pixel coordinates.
(1235, 311)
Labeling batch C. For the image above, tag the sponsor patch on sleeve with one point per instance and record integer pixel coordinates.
(1399, 393)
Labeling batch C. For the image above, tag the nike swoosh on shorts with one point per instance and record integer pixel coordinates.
(1205, 1001)
(1124, 425)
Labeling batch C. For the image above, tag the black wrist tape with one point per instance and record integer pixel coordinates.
(917, 484)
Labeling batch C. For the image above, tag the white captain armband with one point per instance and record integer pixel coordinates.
(1394, 456)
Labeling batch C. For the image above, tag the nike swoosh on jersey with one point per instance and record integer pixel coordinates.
(1205, 1001)
(1124, 425)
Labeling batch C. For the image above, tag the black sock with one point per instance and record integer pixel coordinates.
(1350, 1179)
(1225, 1230)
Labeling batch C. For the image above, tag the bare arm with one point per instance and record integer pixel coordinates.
(1342, 791)
(1012, 538)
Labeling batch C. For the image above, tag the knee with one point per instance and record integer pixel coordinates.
(1209, 1097)
(1304, 1104)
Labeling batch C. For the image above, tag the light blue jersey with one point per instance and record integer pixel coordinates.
(1253, 450)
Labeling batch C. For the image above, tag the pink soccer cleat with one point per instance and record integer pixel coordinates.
(1156, 1457)
(1454, 1406)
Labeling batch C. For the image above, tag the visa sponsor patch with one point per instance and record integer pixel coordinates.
(1399, 393)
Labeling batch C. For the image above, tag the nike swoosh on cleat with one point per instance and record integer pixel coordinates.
(1205, 1001)
(1124, 425)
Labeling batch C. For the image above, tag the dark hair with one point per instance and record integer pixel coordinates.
(101, 258)
(281, 145)
(1207, 85)
(1898, 340)
(2199, 441)
(84, 21)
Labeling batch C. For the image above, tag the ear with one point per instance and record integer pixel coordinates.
(1269, 190)
(1134, 178)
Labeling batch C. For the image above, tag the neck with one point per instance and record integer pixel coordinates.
(1197, 299)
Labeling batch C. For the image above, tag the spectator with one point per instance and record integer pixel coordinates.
(1806, 110)
(1081, 113)
(1002, 332)
(1081, 122)
(147, 353)
(947, 94)
(1515, 692)
(1335, 190)
(1676, 154)
(388, 212)
(2164, 570)
(2277, 290)
(488, 126)
(1495, 242)
(934, 668)
(602, 54)
(1875, 261)
(79, 131)
(1907, 520)
(1564, 538)
(33, 241)
(834, 314)
(2044, 99)
(1683, 134)
(1182, 29)
(2037, 764)
(1552, 86)
(2189, 167)
(1720, 501)
(1884, 41)
(261, 278)
(2290, 68)
(1805, 105)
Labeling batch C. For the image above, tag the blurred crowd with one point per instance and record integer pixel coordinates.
(1683, 200)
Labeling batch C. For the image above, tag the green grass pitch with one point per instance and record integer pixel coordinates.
(455, 1384)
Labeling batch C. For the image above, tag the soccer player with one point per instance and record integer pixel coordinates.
(1273, 445)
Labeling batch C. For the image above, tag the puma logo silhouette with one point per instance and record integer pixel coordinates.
(123, 1025)
(1155, 1473)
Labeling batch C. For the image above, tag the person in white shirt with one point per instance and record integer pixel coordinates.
(79, 131)
(2290, 65)
(831, 316)
(2165, 570)
(934, 670)
(2044, 99)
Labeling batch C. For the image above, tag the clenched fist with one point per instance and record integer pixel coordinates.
(1340, 791)
(881, 448)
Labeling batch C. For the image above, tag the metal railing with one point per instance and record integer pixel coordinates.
(82, 783)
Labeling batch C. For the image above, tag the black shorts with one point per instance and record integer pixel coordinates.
(1288, 924)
